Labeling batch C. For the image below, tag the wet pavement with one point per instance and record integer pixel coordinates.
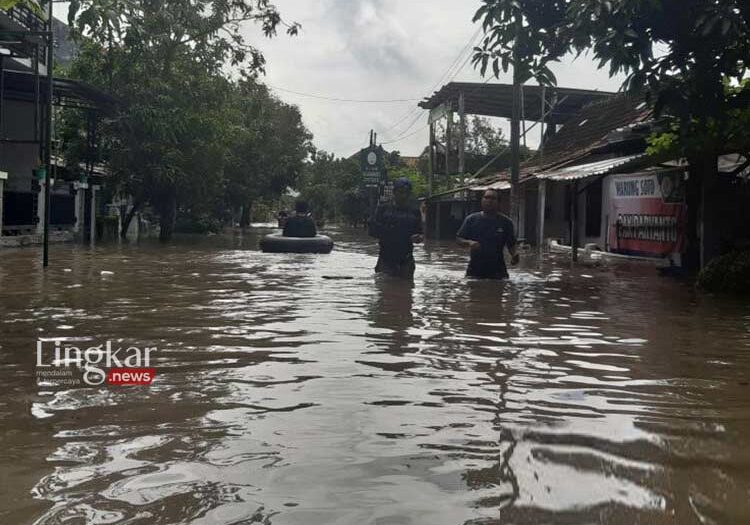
(299, 389)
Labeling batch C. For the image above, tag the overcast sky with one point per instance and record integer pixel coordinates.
(378, 50)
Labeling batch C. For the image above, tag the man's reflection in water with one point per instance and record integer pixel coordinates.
(455, 309)
(392, 310)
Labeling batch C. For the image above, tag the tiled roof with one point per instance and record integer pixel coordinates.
(582, 134)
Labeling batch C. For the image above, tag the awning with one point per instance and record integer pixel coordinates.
(496, 100)
(730, 164)
(20, 85)
(583, 171)
(500, 185)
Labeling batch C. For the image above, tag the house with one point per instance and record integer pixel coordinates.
(592, 182)
(25, 104)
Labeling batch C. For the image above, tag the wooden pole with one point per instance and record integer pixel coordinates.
(542, 203)
(541, 124)
(574, 221)
(48, 133)
(92, 218)
(431, 157)
(462, 134)
(448, 140)
(515, 154)
(2, 183)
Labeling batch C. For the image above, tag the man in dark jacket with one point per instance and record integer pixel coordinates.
(486, 233)
(301, 224)
(397, 227)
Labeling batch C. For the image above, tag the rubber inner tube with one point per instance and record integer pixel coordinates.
(277, 243)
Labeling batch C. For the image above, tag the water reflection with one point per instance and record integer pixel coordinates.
(304, 389)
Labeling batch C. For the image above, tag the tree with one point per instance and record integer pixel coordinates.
(268, 149)
(164, 61)
(333, 187)
(690, 57)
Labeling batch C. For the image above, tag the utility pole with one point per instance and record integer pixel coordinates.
(515, 132)
(48, 134)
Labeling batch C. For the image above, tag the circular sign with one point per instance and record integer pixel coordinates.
(372, 158)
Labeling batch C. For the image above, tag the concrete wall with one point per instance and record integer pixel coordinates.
(18, 160)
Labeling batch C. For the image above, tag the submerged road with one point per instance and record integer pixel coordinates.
(299, 389)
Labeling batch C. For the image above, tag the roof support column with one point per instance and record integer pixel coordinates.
(3, 176)
(541, 123)
(574, 221)
(542, 203)
(92, 238)
(462, 134)
(448, 139)
(431, 159)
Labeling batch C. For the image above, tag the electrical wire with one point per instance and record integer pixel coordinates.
(441, 79)
(334, 99)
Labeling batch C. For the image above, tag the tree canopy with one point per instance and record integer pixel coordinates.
(682, 53)
(186, 134)
(689, 57)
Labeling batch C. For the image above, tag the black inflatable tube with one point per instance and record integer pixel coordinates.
(277, 243)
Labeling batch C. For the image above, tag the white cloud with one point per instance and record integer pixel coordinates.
(378, 49)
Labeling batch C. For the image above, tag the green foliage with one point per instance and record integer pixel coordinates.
(268, 145)
(729, 273)
(682, 52)
(333, 187)
(32, 5)
(184, 135)
(419, 186)
(525, 34)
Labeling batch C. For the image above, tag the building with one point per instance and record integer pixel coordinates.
(25, 103)
(592, 181)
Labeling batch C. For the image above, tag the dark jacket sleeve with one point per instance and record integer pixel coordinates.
(510, 241)
(464, 230)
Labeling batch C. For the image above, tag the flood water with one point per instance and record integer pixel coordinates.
(299, 389)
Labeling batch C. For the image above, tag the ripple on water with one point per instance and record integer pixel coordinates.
(285, 396)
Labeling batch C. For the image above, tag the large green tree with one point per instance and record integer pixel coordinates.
(334, 187)
(165, 61)
(689, 56)
(269, 146)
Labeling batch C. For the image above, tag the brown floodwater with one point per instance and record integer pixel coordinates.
(300, 389)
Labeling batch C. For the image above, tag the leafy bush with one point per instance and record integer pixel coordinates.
(728, 273)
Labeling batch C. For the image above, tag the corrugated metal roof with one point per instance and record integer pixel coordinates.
(501, 185)
(592, 169)
(496, 100)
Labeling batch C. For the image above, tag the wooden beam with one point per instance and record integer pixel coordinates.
(542, 203)
(461, 134)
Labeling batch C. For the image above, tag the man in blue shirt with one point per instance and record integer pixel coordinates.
(486, 233)
(397, 227)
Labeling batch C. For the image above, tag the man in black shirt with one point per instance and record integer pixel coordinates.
(485, 233)
(301, 224)
(397, 226)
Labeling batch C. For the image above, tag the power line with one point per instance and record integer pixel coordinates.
(399, 139)
(406, 129)
(334, 99)
(441, 79)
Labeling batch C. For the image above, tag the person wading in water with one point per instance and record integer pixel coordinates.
(397, 227)
(486, 233)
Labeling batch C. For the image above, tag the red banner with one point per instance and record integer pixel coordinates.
(647, 214)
